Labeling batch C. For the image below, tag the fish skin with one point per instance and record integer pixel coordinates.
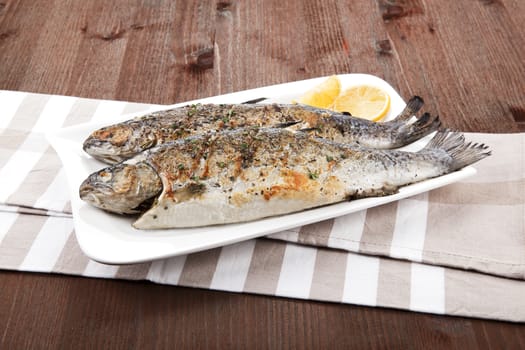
(118, 142)
(252, 173)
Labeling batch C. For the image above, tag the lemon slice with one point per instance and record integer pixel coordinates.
(364, 101)
(322, 95)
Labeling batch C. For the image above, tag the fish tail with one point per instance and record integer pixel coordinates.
(425, 125)
(407, 132)
(453, 144)
(413, 106)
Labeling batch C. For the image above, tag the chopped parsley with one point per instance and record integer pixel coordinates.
(312, 175)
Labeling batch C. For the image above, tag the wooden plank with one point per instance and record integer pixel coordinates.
(150, 58)
(75, 312)
(454, 69)
(103, 40)
(16, 42)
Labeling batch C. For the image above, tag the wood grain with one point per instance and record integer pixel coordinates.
(73, 312)
(466, 58)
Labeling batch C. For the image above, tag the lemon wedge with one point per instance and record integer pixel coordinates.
(364, 101)
(322, 95)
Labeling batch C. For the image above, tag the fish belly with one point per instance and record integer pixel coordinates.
(214, 209)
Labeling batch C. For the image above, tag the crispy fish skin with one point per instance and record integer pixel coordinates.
(251, 173)
(118, 142)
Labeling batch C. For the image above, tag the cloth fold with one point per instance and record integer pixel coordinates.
(457, 250)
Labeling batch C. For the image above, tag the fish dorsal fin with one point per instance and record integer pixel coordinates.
(287, 124)
(254, 101)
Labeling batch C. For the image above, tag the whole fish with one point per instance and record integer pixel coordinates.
(115, 143)
(251, 173)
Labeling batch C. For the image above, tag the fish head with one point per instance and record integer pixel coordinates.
(116, 143)
(122, 188)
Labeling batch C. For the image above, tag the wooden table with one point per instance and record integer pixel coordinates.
(466, 58)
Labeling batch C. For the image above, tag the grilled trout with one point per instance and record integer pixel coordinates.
(252, 173)
(118, 142)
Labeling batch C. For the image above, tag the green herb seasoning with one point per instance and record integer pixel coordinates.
(192, 110)
(312, 175)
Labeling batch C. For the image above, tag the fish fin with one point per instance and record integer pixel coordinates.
(255, 100)
(287, 124)
(308, 129)
(413, 106)
(425, 125)
(461, 153)
(386, 190)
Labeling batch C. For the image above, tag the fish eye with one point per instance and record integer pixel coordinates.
(105, 176)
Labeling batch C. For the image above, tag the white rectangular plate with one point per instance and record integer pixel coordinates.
(111, 239)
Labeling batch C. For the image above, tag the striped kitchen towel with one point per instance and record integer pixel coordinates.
(47, 244)
(30, 171)
(477, 224)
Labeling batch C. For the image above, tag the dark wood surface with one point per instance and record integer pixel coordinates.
(466, 58)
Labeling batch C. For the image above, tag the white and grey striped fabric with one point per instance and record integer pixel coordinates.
(458, 250)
